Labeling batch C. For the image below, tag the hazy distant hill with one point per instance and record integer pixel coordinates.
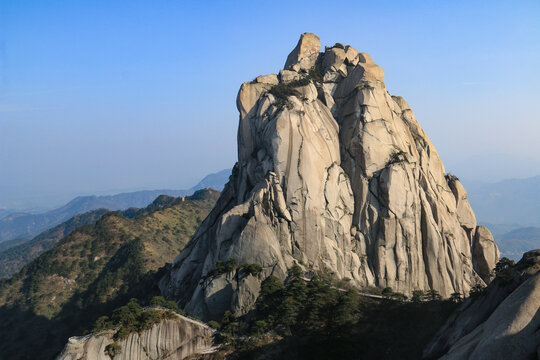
(506, 202)
(215, 181)
(511, 210)
(22, 225)
(6, 212)
(514, 243)
(26, 226)
(93, 270)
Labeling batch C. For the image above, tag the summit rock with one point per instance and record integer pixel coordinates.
(306, 51)
(336, 175)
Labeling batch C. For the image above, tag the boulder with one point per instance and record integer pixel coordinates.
(485, 253)
(466, 216)
(271, 79)
(306, 50)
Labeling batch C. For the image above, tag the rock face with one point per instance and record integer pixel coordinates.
(502, 323)
(336, 175)
(485, 253)
(305, 52)
(170, 339)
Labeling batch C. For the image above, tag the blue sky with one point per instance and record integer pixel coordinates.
(108, 96)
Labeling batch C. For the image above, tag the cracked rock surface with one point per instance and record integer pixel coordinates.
(501, 323)
(174, 339)
(334, 174)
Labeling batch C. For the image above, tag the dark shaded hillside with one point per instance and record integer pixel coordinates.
(93, 270)
(14, 258)
(323, 318)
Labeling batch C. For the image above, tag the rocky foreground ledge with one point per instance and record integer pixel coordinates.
(501, 323)
(171, 339)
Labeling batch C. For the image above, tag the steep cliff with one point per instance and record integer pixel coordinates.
(501, 323)
(173, 339)
(336, 175)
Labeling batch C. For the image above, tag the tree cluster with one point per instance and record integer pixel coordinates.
(223, 267)
(132, 318)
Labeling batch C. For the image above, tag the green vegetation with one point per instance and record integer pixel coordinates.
(299, 319)
(315, 74)
(283, 91)
(132, 318)
(14, 258)
(396, 158)
(214, 324)
(367, 87)
(160, 301)
(433, 295)
(92, 271)
(505, 270)
(451, 177)
(417, 296)
(503, 266)
(391, 294)
(251, 269)
(456, 297)
(476, 291)
(223, 267)
(113, 349)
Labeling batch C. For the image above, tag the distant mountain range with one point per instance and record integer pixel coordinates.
(215, 181)
(511, 201)
(514, 243)
(511, 210)
(23, 226)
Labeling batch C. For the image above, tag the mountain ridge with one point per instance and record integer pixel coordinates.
(24, 225)
(15, 257)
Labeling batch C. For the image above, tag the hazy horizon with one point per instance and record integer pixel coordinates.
(109, 97)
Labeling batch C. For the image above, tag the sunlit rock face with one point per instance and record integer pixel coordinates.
(336, 175)
(174, 339)
(500, 323)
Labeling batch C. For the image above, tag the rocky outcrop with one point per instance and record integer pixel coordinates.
(174, 339)
(502, 323)
(305, 53)
(485, 253)
(334, 174)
